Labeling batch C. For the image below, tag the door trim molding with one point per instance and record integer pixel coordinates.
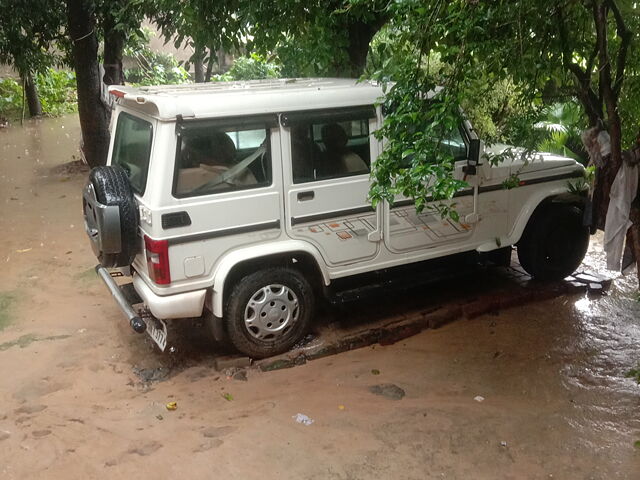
(327, 215)
(274, 224)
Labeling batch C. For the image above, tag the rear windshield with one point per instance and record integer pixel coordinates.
(132, 148)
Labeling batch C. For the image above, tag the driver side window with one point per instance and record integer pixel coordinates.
(451, 144)
(215, 159)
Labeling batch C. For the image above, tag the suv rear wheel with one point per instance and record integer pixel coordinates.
(554, 242)
(269, 311)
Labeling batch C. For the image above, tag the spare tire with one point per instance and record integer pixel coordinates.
(111, 216)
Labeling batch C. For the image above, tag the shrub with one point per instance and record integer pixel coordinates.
(56, 89)
(254, 67)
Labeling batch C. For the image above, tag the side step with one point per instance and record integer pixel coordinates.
(414, 276)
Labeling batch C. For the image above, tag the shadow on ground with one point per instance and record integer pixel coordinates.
(384, 318)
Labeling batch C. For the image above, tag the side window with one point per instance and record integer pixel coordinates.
(450, 143)
(221, 159)
(453, 144)
(322, 149)
(132, 149)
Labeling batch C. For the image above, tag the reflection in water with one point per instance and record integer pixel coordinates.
(604, 348)
(584, 306)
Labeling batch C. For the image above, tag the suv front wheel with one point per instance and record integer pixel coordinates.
(269, 311)
(554, 242)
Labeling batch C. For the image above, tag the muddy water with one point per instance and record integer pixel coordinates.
(555, 399)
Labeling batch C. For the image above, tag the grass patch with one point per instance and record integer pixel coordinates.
(86, 275)
(26, 340)
(23, 341)
(6, 301)
(635, 374)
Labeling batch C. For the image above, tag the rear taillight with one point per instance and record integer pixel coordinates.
(158, 260)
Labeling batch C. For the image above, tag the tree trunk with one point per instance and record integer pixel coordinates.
(207, 77)
(31, 93)
(222, 62)
(113, 47)
(607, 174)
(94, 115)
(198, 67)
(360, 36)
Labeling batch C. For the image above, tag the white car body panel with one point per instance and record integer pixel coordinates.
(229, 228)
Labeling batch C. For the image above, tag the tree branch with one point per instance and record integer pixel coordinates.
(587, 95)
(625, 40)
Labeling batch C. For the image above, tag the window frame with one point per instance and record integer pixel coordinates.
(118, 134)
(363, 113)
(266, 122)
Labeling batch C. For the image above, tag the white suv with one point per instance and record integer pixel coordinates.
(243, 202)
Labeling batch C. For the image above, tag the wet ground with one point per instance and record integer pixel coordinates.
(537, 391)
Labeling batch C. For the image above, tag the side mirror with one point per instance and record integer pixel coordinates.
(473, 159)
(474, 152)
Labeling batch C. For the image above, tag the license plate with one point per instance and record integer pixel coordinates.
(157, 330)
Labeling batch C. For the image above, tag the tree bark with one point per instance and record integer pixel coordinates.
(609, 91)
(94, 115)
(222, 62)
(207, 76)
(31, 93)
(606, 175)
(198, 67)
(360, 35)
(113, 48)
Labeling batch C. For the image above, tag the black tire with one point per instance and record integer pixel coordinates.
(263, 336)
(112, 187)
(554, 242)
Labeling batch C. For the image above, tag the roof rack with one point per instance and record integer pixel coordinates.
(267, 84)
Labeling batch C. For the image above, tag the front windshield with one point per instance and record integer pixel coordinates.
(132, 149)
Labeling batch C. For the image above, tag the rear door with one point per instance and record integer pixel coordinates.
(226, 191)
(327, 161)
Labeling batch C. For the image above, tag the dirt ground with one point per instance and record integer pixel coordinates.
(533, 392)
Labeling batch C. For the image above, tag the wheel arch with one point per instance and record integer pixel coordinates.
(564, 197)
(240, 262)
(536, 203)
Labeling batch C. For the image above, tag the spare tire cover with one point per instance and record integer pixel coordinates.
(111, 187)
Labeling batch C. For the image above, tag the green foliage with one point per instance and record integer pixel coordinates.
(57, 91)
(201, 24)
(634, 373)
(312, 38)
(153, 68)
(29, 31)
(504, 63)
(10, 98)
(253, 67)
(56, 88)
(563, 123)
(415, 164)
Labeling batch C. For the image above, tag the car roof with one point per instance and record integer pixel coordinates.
(222, 99)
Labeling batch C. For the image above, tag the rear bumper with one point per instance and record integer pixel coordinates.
(179, 305)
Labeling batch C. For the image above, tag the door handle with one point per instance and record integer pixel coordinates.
(306, 196)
